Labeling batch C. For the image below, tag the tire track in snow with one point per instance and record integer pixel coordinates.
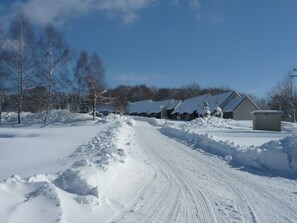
(192, 186)
(171, 197)
(252, 199)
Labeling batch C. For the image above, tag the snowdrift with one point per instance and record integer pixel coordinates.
(56, 116)
(47, 197)
(278, 156)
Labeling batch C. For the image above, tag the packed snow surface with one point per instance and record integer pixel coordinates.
(124, 169)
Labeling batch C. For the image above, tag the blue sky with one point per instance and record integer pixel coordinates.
(248, 45)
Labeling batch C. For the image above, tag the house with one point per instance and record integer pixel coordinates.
(138, 108)
(240, 108)
(157, 109)
(197, 107)
(190, 108)
(221, 100)
(174, 105)
(150, 108)
(231, 103)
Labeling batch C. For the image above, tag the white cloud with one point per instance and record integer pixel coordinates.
(195, 5)
(58, 11)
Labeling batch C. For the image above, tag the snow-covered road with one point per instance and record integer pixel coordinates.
(191, 186)
(124, 170)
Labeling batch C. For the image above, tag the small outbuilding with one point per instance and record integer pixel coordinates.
(269, 120)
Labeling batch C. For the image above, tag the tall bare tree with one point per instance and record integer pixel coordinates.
(53, 58)
(19, 60)
(2, 70)
(80, 72)
(95, 81)
(284, 97)
(90, 75)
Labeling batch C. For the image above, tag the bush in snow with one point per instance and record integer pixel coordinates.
(206, 110)
(218, 112)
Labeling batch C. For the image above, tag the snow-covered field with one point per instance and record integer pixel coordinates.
(123, 169)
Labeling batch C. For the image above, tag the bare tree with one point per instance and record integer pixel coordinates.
(81, 71)
(2, 70)
(284, 97)
(90, 75)
(19, 60)
(53, 57)
(95, 80)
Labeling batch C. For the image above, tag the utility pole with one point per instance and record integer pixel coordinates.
(292, 96)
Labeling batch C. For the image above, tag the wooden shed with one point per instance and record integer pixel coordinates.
(269, 120)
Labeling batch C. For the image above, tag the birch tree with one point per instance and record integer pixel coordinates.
(19, 60)
(53, 57)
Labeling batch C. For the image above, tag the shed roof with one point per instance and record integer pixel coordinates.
(267, 112)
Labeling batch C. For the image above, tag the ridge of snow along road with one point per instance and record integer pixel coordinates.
(71, 194)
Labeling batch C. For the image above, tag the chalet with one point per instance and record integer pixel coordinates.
(240, 108)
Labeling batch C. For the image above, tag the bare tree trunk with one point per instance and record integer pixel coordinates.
(94, 104)
(0, 112)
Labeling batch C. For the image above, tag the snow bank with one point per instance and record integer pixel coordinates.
(78, 187)
(56, 116)
(278, 156)
(209, 122)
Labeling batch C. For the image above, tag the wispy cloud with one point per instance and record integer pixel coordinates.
(217, 18)
(59, 11)
(195, 5)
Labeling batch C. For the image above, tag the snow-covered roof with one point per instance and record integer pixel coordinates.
(173, 104)
(217, 100)
(232, 105)
(275, 112)
(192, 104)
(148, 106)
